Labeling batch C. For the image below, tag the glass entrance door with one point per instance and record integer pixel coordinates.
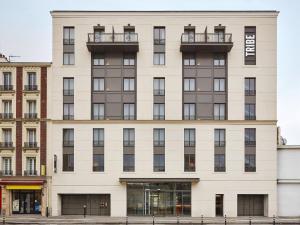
(26, 202)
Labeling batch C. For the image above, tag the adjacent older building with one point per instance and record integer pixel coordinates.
(163, 113)
(23, 128)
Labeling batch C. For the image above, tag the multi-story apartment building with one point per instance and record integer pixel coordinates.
(163, 113)
(23, 113)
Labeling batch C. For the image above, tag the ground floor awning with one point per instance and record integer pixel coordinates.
(158, 180)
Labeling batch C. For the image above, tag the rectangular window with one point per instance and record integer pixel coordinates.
(159, 58)
(7, 109)
(128, 84)
(159, 162)
(189, 163)
(30, 166)
(189, 60)
(31, 107)
(129, 60)
(6, 166)
(189, 111)
(98, 84)
(128, 163)
(219, 137)
(219, 162)
(98, 111)
(159, 86)
(98, 162)
(158, 137)
(159, 35)
(68, 137)
(98, 60)
(189, 137)
(7, 138)
(129, 111)
(159, 111)
(31, 82)
(98, 137)
(219, 84)
(219, 61)
(219, 111)
(68, 111)
(69, 36)
(189, 35)
(250, 86)
(250, 112)
(250, 136)
(128, 137)
(189, 84)
(7, 82)
(68, 162)
(68, 86)
(31, 138)
(69, 58)
(250, 163)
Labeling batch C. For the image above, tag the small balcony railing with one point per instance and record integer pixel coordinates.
(189, 143)
(159, 92)
(112, 38)
(158, 143)
(206, 38)
(6, 144)
(250, 117)
(31, 87)
(250, 92)
(30, 173)
(189, 117)
(68, 117)
(30, 116)
(68, 143)
(98, 143)
(6, 173)
(6, 87)
(219, 168)
(128, 117)
(6, 116)
(158, 117)
(98, 117)
(68, 92)
(250, 168)
(219, 143)
(250, 143)
(128, 143)
(31, 144)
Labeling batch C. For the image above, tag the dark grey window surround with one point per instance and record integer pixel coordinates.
(68, 149)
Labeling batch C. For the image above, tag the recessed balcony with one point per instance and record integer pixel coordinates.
(112, 42)
(6, 145)
(30, 116)
(206, 42)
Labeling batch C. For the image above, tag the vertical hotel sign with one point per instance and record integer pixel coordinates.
(250, 45)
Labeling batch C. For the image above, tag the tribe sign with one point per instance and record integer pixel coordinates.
(250, 46)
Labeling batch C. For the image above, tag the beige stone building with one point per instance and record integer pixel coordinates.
(23, 124)
(163, 113)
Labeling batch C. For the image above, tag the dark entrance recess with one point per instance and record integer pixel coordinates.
(251, 205)
(219, 204)
(98, 205)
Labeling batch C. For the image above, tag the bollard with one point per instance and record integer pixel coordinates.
(201, 219)
(47, 211)
(274, 220)
(250, 222)
(225, 220)
(84, 211)
(177, 219)
(153, 219)
(3, 218)
(126, 220)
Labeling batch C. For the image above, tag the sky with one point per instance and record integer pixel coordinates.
(25, 30)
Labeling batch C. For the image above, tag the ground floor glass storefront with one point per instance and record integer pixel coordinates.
(159, 199)
(26, 202)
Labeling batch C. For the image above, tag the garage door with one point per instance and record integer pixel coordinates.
(251, 205)
(95, 204)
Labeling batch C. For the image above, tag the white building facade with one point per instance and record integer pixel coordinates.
(163, 113)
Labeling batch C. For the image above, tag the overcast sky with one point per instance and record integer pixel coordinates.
(25, 30)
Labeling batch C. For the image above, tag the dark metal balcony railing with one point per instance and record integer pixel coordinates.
(68, 117)
(98, 117)
(128, 143)
(127, 168)
(158, 117)
(68, 143)
(250, 168)
(159, 92)
(68, 41)
(159, 168)
(97, 143)
(250, 143)
(30, 172)
(31, 87)
(6, 87)
(219, 168)
(159, 143)
(250, 117)
(6, 173)
(250, 92)
(30, 115)
(219, 117)
(31, 144)
(6, 116)
(112, 37)
(128, 117)
(6, 144)
(189, 143)
(220, 143)
(69, 92)
(206, 38)
(189, 117)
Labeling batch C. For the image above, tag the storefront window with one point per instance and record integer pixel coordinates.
(159, 199)
(26, 202)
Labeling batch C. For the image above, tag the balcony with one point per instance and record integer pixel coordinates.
(6, 116)
(30, 173)
(6, 173)
(208, 42)
(113, 42)
(6, 88)
(30, 116)
(30, 146)
(6, 145)
(31, 87)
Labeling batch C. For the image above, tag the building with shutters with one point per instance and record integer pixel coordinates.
(163, 113)
(23, 137)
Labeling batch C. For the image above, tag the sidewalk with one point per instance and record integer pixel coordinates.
(33, 219)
